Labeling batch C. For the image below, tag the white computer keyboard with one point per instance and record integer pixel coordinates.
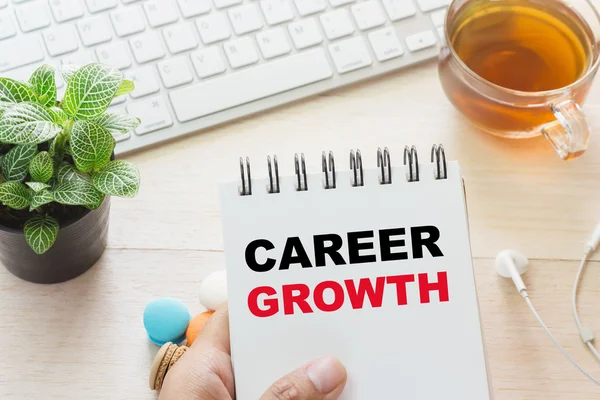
(199, 63)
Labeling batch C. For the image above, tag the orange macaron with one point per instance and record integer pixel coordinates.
(196, 325)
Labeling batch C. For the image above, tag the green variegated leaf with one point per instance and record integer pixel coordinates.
(91, 146)
(15, 163)
(41, 167)
(68, 173)
(59, 115)
(14, 195)
(77, 193)
(117, 123)
(118, 178)
(40, 198)
(27, 123)
(44, 84)
(52, 147)
(91, 90)
(41, 233)
(126, 87)
(96, 205)
(12, 92)
(67, 72)
(37, 186)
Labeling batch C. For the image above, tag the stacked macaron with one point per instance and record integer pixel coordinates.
(168, 320)
(168, 323)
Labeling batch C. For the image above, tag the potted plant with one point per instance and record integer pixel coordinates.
(57, 170)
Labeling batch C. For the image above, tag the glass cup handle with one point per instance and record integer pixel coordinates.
(569, 135)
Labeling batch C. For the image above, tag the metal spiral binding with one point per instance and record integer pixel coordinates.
(302, 182)
(438, 157)
(246, 188)
(357, 169)
(273, 186)
(412, 159)
(385, 165)
(329, 171)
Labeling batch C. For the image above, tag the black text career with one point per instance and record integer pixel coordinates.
(266, 301)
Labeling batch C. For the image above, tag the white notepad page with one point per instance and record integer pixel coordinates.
(415, 351)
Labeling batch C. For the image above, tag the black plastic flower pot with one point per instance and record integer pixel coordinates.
(77, 248)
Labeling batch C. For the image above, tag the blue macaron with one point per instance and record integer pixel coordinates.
(166, 320)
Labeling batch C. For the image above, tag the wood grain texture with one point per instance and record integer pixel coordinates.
(85, 339)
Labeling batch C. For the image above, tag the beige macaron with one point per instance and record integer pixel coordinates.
(162, 362)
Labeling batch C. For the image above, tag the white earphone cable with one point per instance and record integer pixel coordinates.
(587, 335)
(537, 316)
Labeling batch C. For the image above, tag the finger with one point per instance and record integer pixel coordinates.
(322, 379)
(204, 374)
(216, 331)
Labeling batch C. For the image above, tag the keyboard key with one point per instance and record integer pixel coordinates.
(147, 47)
(305, 33)
(337, 3)
(421, 41)
(399, 9)
(438, 18)
(66, 10)
(277, 11)
(240, 52)
(192, 8)
(32, 16)
(226, 3)
(100, 5)
(115, 54)
(337, 24)
(145, 81)
(94, 30)
(128, 21)
(307, 7)
(174, 72)
(213, 28)
(160, 12)
(153, 114)
(180, 37)
(80, 59)
(250, 84)
(7, 25)
(60, 40)
(385, 44)
(273, 43)
(20, 51)
(245, 18)
(350, 54)
(429, 5)
(208, 62)
(368, 14)
(441, 33)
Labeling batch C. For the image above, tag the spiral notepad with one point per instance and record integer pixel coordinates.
(372, 266)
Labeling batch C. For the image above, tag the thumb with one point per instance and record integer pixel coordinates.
(322, 379)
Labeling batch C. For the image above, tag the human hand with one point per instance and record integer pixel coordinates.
(204, 372)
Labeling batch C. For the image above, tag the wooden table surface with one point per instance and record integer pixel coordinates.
(84, 339)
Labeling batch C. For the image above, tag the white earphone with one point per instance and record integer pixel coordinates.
(512, 264)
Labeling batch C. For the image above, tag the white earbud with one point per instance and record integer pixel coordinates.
(512, 264)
